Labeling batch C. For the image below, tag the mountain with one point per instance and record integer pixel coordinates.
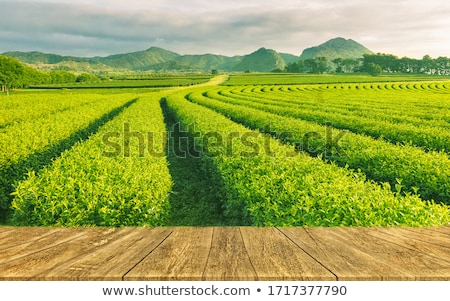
(289, 58)
(202, 62)
(36, 57)
(262, 60)
(336, 48)
(139, 60)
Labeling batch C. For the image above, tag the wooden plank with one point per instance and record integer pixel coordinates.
(433, 235)
(420, 265)
(4, 229)
(275, 257)
(22, 235)
(228, 259)
(182, 256)
(442, 230)
(42, 242)
(5, 232)
(347, 262)
(110, 260)
(419, 242)
(37, 265)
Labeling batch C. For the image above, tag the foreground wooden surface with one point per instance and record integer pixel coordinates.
(215, 253)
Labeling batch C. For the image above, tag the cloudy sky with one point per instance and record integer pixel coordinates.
(101, 27)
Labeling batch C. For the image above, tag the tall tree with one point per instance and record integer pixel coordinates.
(11, 72)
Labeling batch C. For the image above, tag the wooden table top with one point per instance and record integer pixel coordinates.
(224, 253)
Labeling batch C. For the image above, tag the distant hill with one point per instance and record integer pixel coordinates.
(336, 48)
(209, 61)
(262, 60)
(154, 58)
(289, 58)
(36, 57)
(139, 60)
(161, 60)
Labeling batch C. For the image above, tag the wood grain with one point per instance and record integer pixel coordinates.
(4, 229)
(228, 259)
(420, 265)
(439, 237)
(25, 248)
(344, 260)
(36, 265)
(23, 235)
(224, 253)
(182, 256)
(436, 247)
(111, 259)
(275, 257)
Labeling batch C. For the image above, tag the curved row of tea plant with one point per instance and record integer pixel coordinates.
(32, 144)
(287, 188)
(90, 185)
(351, 107)
(426, 135)
(297, 79)
(428, 104)
(412, 168)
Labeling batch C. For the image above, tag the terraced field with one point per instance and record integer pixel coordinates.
(331, 154)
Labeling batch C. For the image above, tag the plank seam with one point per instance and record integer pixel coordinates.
(209, 253)
(248, 255)
(140, 261)
(307, 253)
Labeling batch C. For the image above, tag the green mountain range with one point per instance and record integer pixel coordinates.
(161, 60)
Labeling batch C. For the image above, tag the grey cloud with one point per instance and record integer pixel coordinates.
(88, 30)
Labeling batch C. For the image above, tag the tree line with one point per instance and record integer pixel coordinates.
(14, 74)
(373, 64)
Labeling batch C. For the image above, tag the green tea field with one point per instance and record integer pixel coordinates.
(260, 150)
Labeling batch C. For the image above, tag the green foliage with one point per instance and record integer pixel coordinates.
(85, 187)
(30, 142)
(422, 172)
(374, 69)
(62, 77)
(392, 64)
(59, 177)
(11, 72)
(86, 78)
(134, 81)
(278, 190)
